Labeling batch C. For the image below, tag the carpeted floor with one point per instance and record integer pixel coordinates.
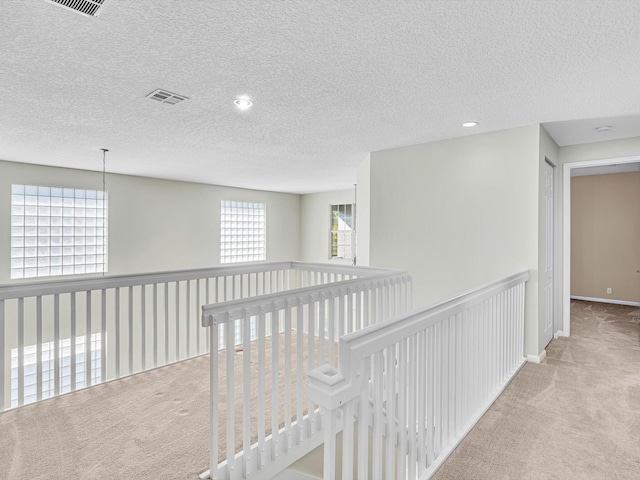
(575, 416)
(151, 425)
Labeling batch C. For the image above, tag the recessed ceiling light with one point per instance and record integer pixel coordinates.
(603, 128)
(243, 103)
(469, 124)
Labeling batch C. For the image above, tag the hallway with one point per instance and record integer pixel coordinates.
(575, 416)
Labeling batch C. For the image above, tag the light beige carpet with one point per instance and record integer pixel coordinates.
(151, 425)
(575, 416)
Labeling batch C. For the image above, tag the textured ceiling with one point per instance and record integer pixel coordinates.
(331, 81)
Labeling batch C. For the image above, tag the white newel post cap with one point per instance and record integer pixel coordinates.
(329, 389)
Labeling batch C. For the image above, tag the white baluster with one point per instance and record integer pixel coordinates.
(390, 390)
(421, 400)
(3, 385)
(231, 444)
(87, 341)
(130, 338)
(287, 377)
(177, 323)
(246, 390)
(402, 410)
(213, 406)
(143, 327)
(275, 397)
(299, 370)
(73, 342)
(261, 392)
(103, 334)
(348, 440)
(378, 416)
(412, 392)
(56, 346)
(39, 347)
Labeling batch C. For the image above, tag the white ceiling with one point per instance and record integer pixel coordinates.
(574, 132)
(331, 81)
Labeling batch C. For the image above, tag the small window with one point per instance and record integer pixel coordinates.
(342, 236)
(242, 232)
(57, 231)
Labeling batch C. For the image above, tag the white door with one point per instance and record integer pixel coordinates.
(548, 269)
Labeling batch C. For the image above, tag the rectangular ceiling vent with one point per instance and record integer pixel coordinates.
(163, 96)
(90, 8)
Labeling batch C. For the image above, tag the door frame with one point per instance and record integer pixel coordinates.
(554, 252)
(566, 230)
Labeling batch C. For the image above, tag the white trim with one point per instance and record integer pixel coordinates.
(605, 300)
(566, 229)
(537, 358)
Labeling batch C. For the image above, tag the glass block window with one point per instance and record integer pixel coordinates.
(30, 366)
(57, 231)
(341, 234)
(238, 327)
(242, 232)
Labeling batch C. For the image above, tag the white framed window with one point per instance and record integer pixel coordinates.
(341, 234)
(57, 231)
(242, 232)
(30, 365)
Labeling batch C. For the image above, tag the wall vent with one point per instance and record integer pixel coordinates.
(163, 96)
(90, 8)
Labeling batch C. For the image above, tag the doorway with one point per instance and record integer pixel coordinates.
(566, 228)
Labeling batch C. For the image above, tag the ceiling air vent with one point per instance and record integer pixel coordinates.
(85, 7)
(163, 96)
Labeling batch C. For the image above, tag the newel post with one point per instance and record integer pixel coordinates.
(331, 391)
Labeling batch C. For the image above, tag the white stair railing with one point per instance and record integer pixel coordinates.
(59, 336)
(413, 387)
(263, 421)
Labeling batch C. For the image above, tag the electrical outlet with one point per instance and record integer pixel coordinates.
(609, 291)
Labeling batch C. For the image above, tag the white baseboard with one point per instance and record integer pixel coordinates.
(558, 334)
(605, 300)
(537, 358)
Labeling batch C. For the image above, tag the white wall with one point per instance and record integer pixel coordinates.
(315, 222)
(158, 225)
(459, 213)
(363, 214)
(625, 147)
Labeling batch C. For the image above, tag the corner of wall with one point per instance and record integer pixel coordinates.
(363, 212)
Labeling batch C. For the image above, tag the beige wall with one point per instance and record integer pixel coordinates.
(460, 213)
(158, 225)
(605, 236)
(315, 222)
